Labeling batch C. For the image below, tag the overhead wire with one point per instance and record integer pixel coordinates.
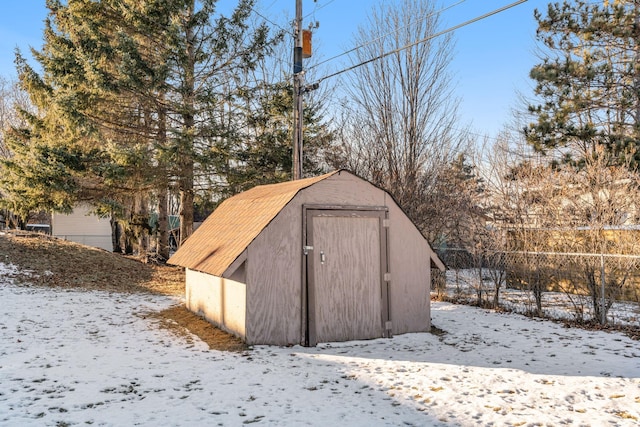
(253, 9)
(431, 37)
(444, 9)
(279, 60)
(357, 47)
(315, 9)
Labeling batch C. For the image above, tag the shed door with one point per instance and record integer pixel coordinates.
(344, 274)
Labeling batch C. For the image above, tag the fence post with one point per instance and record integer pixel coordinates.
(603, 313)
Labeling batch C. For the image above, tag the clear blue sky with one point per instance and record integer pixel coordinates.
(492, 63)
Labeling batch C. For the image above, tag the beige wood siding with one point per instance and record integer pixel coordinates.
(409, 252)
(342, 189)
(81, 227)
(274, 266)
(275, 295)
(409, 265)
(220, 301)
(273, 281)
(347, 287)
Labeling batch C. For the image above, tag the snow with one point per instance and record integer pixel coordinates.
(91, 357)
(462, 284)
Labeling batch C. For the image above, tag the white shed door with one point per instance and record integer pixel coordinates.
(346, 278)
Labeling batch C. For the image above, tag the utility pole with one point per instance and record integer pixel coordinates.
(297, 93)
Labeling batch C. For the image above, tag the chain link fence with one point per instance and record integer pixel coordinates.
(598, 288)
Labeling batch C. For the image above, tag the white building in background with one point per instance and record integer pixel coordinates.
(82, 227)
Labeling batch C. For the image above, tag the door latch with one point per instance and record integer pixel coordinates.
(306, 249)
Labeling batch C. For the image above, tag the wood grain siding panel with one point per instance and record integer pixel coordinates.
(343, 189)
(274, 263)
(340, 189)
(203, 296)
(220, 301)
(234, 306)
(346, 258)
(409, 259)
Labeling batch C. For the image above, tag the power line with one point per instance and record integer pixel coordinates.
(271, 22)
(387, 34)
(448, 30)
(315, 9)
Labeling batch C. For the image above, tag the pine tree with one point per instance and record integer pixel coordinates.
(589, 81)
(135, 92)
(207, 55)
(261, 152)
(85, 117)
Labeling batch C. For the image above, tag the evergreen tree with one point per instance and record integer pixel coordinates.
(135, 93)
(84, 117)
(261, 153)
(206, 58)
(11, 98)
(589, 81)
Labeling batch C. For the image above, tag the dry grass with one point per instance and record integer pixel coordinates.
(49, 262)
(58, 263)
(186, 324)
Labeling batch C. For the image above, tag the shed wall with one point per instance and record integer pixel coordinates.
(81, 227)
(273, 281)
(409, 252)
(410, 268)
(274, 266)
(274, 269)
(220, 301)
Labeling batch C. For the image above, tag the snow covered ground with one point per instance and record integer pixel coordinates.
(94, 358)
(556, 305)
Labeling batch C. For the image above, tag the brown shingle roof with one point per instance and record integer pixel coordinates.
(229, 230)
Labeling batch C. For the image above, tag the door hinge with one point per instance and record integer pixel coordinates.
(306, 249)
(385, 223)
(387, 277)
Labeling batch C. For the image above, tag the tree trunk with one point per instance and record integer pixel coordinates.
(163, 224)
(186, 206)
(124, 230)
(141, 216)
(115, 237)
(162, 248)
(188, 118)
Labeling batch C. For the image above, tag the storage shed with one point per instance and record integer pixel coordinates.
(329, 258)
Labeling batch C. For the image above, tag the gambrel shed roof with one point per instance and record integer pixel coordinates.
(318, 259)
(227, 232)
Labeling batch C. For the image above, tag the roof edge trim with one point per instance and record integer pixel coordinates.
(235, 265)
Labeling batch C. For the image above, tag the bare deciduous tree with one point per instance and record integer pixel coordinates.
(551, 211)
(513, 179)
(400, 125)
(598, 202)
